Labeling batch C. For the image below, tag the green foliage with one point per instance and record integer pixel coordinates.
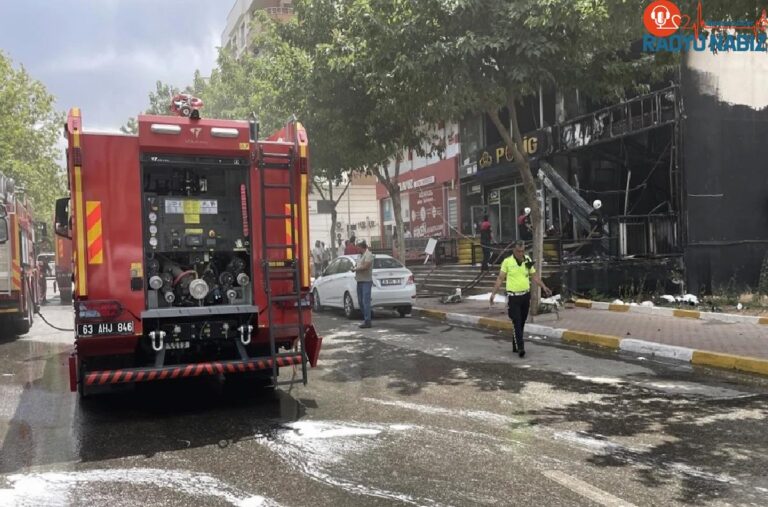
(29, 130)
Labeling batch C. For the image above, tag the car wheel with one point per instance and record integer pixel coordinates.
(316, 306)
(349, 307)
(404, 310)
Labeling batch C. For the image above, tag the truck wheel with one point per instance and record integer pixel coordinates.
(66, 297)
(23, 325)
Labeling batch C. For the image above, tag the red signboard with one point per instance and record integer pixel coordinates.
(427, 216)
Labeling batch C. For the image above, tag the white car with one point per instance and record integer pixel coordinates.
(393, 286)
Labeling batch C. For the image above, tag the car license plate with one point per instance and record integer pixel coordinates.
(390, 281)
(105, 328)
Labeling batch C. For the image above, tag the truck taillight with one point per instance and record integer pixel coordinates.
(410, 280)
(99, 310)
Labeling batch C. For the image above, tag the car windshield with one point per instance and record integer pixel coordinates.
(386, 263)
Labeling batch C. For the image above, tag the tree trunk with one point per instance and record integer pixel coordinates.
(334, 218)
(393, 190)
(515, 141)
(397, 209)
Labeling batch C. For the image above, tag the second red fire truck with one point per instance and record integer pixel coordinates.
(190, 251)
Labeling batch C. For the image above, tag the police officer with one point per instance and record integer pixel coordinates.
(517, 271)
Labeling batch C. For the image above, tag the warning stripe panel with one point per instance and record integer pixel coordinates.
(191, 370)
(94, 238)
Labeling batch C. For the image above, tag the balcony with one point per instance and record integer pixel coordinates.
(620, 120)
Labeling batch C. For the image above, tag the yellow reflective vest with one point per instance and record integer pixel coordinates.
(518, 274)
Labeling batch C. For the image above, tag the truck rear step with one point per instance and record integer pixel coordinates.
(129, 375)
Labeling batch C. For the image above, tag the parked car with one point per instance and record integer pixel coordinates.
(393, 286)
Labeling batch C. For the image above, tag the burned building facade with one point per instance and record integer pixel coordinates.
(678, 172)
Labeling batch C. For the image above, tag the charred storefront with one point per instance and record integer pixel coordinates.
(664, 192)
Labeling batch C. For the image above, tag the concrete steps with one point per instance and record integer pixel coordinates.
(446, 278)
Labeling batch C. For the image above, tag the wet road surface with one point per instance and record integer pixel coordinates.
(410, 412)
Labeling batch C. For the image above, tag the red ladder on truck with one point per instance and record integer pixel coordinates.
(279, 160)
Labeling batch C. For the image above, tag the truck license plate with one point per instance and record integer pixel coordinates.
(390, 281)
(105, 328)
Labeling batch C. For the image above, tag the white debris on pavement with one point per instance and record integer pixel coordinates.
(500, 298)
(648, 304)
(688, 298)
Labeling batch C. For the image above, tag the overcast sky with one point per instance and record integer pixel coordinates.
(106, 55)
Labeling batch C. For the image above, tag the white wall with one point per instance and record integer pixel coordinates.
(358, 204)
(734, 77)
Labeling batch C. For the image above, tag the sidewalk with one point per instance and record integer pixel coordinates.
(740, 346)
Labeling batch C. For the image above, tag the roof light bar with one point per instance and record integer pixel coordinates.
(162, 128)
(224, 132)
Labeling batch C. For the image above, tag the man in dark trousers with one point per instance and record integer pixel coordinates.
(516, 272)
(364, 277)
(485, 241)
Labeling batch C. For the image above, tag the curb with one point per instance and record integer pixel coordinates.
(615, 343)
(672, 312)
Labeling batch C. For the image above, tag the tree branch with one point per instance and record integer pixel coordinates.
(349, 180)
(314, 183)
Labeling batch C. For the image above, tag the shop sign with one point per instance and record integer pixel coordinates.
(426, 213)
(535, 145)
(493, 197)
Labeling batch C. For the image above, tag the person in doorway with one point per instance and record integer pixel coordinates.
(524, 226)
(516, 273)
(326, 255)
(350, 248)
(364, 278)
(485, 241)
(596, 227)
(317, 258)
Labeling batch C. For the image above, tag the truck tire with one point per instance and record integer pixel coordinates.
(24, 324)
(66, 296)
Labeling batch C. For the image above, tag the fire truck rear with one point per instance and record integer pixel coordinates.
(190, 251)
(19, 277)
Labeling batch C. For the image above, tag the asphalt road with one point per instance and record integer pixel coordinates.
(407, 413)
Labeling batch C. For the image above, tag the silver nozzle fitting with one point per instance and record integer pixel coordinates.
(243, 279)
(155, 282)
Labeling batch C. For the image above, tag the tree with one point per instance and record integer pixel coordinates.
(375, 114)
(30, 128)
(160, 102)
(501, 52)
(130, 127)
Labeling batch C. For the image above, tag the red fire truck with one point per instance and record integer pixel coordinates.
(19, 277)
(190, 249)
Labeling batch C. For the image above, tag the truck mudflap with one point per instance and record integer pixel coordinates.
(147, 374)
(312, 344)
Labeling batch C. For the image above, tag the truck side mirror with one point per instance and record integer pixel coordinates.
(3, 230)
(62, 218)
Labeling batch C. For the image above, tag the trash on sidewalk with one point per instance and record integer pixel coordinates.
(452, 298)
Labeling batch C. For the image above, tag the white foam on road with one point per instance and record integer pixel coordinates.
(480, 415)
(586, 490)
(326, 451)
(56, 488)
(604, 446)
